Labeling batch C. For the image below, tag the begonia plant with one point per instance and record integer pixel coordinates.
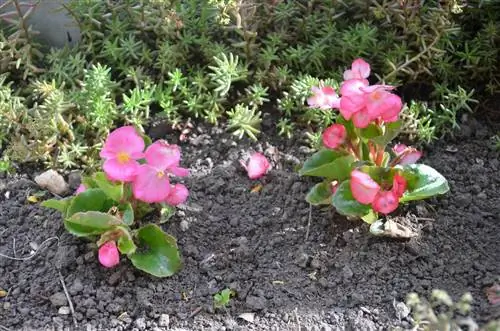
(111, 206)
(362, 177)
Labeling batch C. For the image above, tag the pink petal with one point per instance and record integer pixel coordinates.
(161, 155)
(362, 118)
(334, 136)
(410, 157)
(178, 171)
(119, 171)
(178, 194)
(323, 98)
(80, 189)
(353, 87)
(123, 140)
(363, 187)
(350, 105)
(257, 166)
(108, 255)
(392, 107)
(385, 202)
(150, 185)
(399, 148)
(399, 185)
(359, 69)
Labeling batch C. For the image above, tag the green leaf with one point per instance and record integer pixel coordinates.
(320, 194)
(166, 212)
(424, 182)
(58, 204)
(371, 217)
(126, 244)
(89, 223)
(329, 164)
(371, 131)
(127, 213)
(391, 131)
(157, 254)
(89, 182)
(92, 199)
(345, 203)
(112, 190)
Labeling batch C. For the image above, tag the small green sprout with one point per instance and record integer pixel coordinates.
(221, 299)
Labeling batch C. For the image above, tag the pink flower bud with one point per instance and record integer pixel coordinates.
(385, 202)
(334, 186)
(108, 255)
(406, 155)
(334, 136)
(178, 194)
(363, 187)
(257, 166)
(80, 189)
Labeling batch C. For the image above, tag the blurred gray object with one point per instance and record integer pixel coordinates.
(55, 26)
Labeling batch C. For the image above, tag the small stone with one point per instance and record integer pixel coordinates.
(164, 320)
(140, 323)
(401, 310)
(184, 225)
(64, 310)
(52, 181)
(6, 305)
(347, 272)
(256, 303)
(58, 299)
(89, 256)
(114, 278)
(76, 287)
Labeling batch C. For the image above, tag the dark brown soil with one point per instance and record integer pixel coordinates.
(340, 277)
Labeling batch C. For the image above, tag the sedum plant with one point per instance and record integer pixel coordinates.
(111, 206)
(361, 178)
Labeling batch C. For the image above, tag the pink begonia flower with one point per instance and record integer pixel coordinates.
(399, 185)
(363, 187)
(80, 189)
(121, 150)
(323, 98)
(178, 194)
(152, 182)
(385, 202)
(334, 136)
(108, 255)
(360, 69)
(257, 165)
(364, 103)
(406, 155)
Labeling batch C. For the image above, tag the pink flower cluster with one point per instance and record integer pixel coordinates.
(360, 101)
(367, 191)
(150, 181)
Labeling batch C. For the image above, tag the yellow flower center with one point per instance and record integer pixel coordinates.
(377, 95)
(123, 157)
(160, 174)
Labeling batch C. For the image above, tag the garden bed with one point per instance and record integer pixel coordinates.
(295, 269)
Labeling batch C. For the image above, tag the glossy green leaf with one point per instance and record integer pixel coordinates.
(371, 217)
(166, 212)
(112, 190)
(319, 194)
(345, 204)
(425, 182)
(329, 164)
(157, 253)
(92, 199)
(90, 223)
(58, 204)
(126, 244)
(391, 131)
(127, 213)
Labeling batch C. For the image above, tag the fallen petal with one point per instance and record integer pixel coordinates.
(257, 166)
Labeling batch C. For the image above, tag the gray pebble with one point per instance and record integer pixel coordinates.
(58, 299)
